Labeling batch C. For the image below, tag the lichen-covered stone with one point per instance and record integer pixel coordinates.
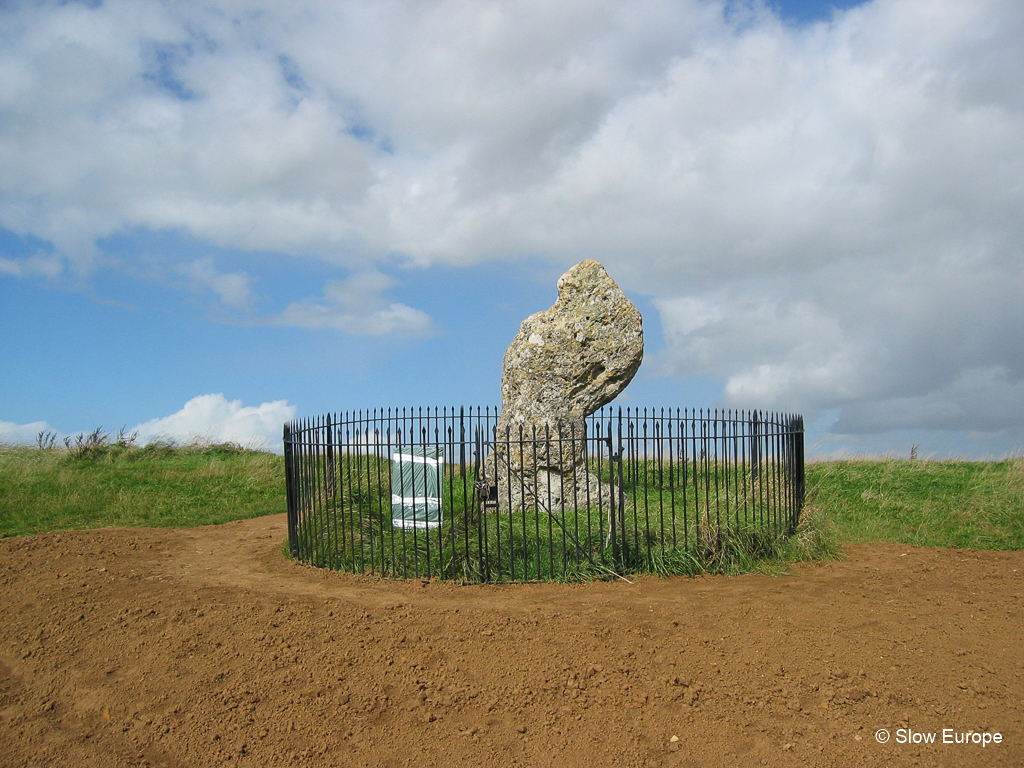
(564, 364)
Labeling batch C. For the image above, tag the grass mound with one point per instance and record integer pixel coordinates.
(121, 484)
(967, 504)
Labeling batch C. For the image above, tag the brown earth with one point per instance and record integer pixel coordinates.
(206, 647)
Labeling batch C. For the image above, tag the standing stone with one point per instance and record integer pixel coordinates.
(564, 364)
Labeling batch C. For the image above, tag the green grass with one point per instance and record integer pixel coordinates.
(527, 546)
(119, 485)
(734, 525)
(967, 504)
(978, 505)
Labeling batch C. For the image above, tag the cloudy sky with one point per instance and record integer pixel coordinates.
(218, 215)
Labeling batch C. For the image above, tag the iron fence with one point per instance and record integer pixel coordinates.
(423, 493)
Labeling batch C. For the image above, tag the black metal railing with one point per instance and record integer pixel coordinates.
(423, 493)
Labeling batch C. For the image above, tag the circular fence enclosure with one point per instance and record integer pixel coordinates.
(414, 493)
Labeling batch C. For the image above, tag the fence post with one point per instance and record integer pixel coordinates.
(620, 493)
(755, 445)
(796, 426)
(289, 488)
(332, 470)
(612, 517)
(462, 441)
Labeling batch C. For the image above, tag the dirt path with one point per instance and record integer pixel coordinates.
(205, 647)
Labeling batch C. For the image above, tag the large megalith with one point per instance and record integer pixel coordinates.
(564, 364)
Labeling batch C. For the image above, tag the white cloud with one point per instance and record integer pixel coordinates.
(215, 418)
(18, 434)
(33, 266)
(860, 337)
(233, 288)
(211, 418)
(356, 306)
(977, 399)
(829, 217)
(309, 127)
(137, 113)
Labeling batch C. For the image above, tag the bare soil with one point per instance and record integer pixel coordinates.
(207, 647)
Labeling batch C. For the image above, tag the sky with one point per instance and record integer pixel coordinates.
(219, 216)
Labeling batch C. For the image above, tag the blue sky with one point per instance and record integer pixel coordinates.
(215, 218)
(809, 11)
